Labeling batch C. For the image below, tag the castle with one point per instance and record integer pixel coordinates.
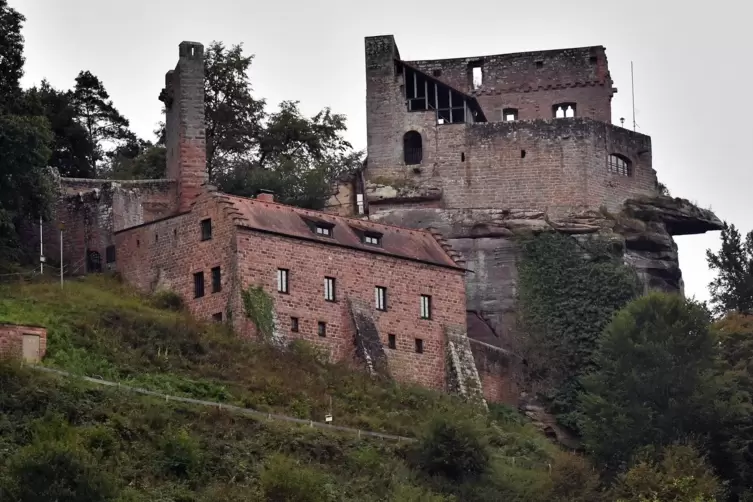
(410, 272)
(480, 148)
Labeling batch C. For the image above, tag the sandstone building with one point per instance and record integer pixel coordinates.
(480, 148)
(387, 298)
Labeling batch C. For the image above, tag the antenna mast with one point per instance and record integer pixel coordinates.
(632, 86)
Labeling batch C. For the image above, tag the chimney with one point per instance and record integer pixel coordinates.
(265, 196)
(185, 127)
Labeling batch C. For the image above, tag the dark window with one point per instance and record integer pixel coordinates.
(156, 237)
(425, 307)
(436, 73)
(510, 114)
(392, 341)
(563, 110)
(198, 284)
(413, 150)
(539, 64)
(217, 317)
(216, 280)
(206, 229)
(618, 165)
(282, 280)
(110, 254)
(93, 261)
(381, 297)
(419, 346)
(322, 329)
(329, 289)
(294, 324)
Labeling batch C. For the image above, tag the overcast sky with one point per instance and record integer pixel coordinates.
(693, 68)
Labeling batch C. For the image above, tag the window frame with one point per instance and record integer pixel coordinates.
(419, 345)
(283, 281)
(330, 292)
(622, 166)
(295, 324)
(391, 342)
(321, 329)
(199, 289)
(425, 309)
(380, 298)
(206, 229)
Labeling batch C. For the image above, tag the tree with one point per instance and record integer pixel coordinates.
(25, 186)
(655, 382)
(105, 127)
(732, 289)
(137, 159)
(11, 55)
(72, 150)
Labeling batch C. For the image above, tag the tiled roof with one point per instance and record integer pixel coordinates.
(300, 223)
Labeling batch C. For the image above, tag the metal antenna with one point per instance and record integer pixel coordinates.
(632, 85)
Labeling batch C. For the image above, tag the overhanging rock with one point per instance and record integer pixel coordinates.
(680, 216)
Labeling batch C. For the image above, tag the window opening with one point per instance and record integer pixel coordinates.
(294, 324)
(564, 110)
(425, 307)
(198, 284)
(413, 151)
(282, 280)
(509, 115)
(329, 289)
(216, 280)
(217, 317)
(206, 229)
(322, 329)
(419, 346)
(619, 165)
(392, 341)
(381, 297)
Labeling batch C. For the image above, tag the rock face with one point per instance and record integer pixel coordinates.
(643, 228)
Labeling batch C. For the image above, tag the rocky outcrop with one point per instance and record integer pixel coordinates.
(679, 216)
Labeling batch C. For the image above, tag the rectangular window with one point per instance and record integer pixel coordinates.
(206, 229)
(216, 280)
(198, 284)
(294, 324)
(373, 240)
(322, 329)
(392, 341)
(381, 297)
(419, 346)
(217, 317)
(282, 280)
(329, 289)
(110, 254)
(425, 307)
(325, 231)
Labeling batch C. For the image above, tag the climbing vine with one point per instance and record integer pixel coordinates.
(259, 309)
(568, 292)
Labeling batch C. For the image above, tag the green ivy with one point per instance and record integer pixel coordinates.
(260, 309)
(568, 292)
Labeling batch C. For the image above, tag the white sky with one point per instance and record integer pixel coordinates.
(692, 67)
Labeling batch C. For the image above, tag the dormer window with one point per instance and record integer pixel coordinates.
(372, 238)
(324, 230)
(509, 115)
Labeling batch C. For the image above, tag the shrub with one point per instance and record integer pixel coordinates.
(284, 480)
(456, 449)
(182, 454)
(168, 300)
(681, 475)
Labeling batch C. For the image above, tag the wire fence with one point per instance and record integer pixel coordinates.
(229, 407)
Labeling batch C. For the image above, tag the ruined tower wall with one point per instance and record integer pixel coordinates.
(185, 123)
(532, 82)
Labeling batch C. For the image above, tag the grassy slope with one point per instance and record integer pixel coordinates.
(145, 449)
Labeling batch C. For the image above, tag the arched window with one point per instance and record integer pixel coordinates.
(413, 151)
(563, 110)
(93, 261)
(618, 164)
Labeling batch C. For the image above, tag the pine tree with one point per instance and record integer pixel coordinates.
(732, 289)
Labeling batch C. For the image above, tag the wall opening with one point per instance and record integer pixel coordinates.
(509, 114)
(462, 156)
(618, 164)
(522, 154)
(413, 151)
(93, 261)
(563, 110)
(475, 74)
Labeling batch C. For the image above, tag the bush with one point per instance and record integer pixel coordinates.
(681, 475)
(456, 449)
(168, 300)
(55, 471)
(284, 480)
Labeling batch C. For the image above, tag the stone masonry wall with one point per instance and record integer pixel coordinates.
(532, 82)
(12, 336)
(357, 274)
(497, 370)
(165, 254)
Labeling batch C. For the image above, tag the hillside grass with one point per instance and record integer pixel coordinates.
(137, 448)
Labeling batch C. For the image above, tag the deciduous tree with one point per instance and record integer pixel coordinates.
(732, 288)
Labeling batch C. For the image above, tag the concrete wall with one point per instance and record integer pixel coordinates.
(357, 273)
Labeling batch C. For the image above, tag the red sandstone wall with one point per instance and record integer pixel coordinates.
(357, 273)
(11, 339)
(166, 254)
(496, 369)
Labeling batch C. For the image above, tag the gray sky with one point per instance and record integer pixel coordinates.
(689, 60)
